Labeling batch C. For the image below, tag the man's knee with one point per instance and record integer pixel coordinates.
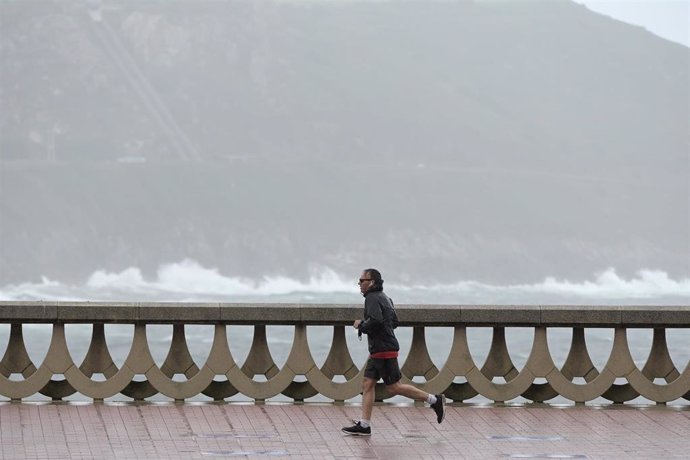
(394, 388)
(368, 384)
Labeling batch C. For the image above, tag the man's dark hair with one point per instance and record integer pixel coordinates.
(376, 276)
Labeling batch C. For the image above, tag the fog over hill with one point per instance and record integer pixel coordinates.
(480, 140)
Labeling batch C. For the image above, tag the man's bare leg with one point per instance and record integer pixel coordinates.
(368, 397)
(410, 391)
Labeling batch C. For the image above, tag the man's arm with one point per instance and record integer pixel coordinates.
(373, 315)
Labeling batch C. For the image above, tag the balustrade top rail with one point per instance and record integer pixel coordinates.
(334, 314)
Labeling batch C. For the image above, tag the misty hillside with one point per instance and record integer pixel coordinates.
(499, 141)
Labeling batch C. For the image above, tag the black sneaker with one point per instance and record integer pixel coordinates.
(440, 408)
(357, 430)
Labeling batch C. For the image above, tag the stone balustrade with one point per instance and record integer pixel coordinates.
(300, 377)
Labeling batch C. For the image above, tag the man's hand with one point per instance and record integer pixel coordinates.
(357, 323)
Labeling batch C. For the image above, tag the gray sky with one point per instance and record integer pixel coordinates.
(669, 19)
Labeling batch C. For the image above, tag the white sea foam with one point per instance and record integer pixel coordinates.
(190, 281)
(607, 284)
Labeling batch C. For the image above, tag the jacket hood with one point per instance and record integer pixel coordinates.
(375, 288)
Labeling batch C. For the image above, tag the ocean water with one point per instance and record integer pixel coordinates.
(188, 281)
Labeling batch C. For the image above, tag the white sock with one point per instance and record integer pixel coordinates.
(431, 399)
(364, 423)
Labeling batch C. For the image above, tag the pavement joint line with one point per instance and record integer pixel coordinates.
(480, 405)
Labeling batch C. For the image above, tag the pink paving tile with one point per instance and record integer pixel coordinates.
(215, 430)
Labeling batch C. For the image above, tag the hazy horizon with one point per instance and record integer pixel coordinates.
(497, 143)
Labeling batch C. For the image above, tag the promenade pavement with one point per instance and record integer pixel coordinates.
(312, 431)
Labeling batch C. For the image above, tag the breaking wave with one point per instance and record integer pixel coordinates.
(189, 281)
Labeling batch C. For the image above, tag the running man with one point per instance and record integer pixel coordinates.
(378, 322)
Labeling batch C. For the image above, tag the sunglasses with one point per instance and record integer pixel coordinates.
(361, 280)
